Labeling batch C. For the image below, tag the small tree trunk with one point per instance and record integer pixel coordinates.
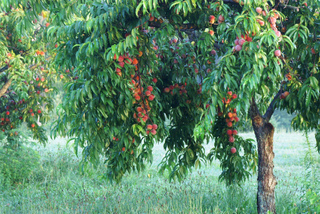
(264, 132)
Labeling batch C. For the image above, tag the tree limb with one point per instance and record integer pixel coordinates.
(253, 110)
(5, 87)
(271, 109)
(289, 6)
(4, 68)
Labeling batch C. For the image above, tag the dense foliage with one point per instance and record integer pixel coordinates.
(26, 77)
(178, 72)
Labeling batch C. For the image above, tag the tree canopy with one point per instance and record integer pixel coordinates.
(176, 72)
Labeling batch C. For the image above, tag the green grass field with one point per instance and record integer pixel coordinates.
(58, 187)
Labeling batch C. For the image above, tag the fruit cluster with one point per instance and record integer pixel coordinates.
(122, 60)
(272, 21)
(181, 89)
(231, 117)
(152, 129)
(239, 42)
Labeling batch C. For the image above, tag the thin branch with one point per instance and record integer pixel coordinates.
(5, 87)
(270, 110)
(289, 6)
(4, 68)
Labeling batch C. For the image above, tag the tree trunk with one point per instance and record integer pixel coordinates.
(264, 132)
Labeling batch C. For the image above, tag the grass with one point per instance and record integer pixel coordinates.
(58, 187)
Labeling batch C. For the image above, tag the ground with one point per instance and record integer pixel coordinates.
(58, 187)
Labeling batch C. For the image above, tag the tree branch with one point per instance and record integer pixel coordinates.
(270, 110)
(253, 110)
(289, 6)
(4, 68)
(5, 87)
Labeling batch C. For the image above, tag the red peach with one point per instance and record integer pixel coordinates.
(231, 139)
(277, 53)
(233, 150)
(259, 10)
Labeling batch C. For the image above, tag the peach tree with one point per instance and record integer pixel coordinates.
(182, 73)
(25, 76)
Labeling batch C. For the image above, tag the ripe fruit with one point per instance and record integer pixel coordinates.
(153, 132)
(277, 53)
(123, 149)
(150, 88)
(230, 115)
(259, 10)
(234, 132)
(221, 19)
(231, 139)
(238, 48)
(229, 124)
(46, 90)
(39, 111)
(278, 33)
(139, 109)
(261, 22)
(135, 61)
(154, 80)
(149, 126)
(154, 126)
(229, 132)
(233, 150)
(234, 96)
(211, 32)
(236, 119)
(47, 24)
(284, 95)
(212, 19)
(137, 97)
(272, 20)
(7, 113)
(38, 92)
(313, 51)
(241, 41)
(32, 125)
(32, 114)
(56, 45)
(151, 97)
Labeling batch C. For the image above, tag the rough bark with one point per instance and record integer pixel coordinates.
(264, 132)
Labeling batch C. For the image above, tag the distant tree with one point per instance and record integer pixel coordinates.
(25, 75)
